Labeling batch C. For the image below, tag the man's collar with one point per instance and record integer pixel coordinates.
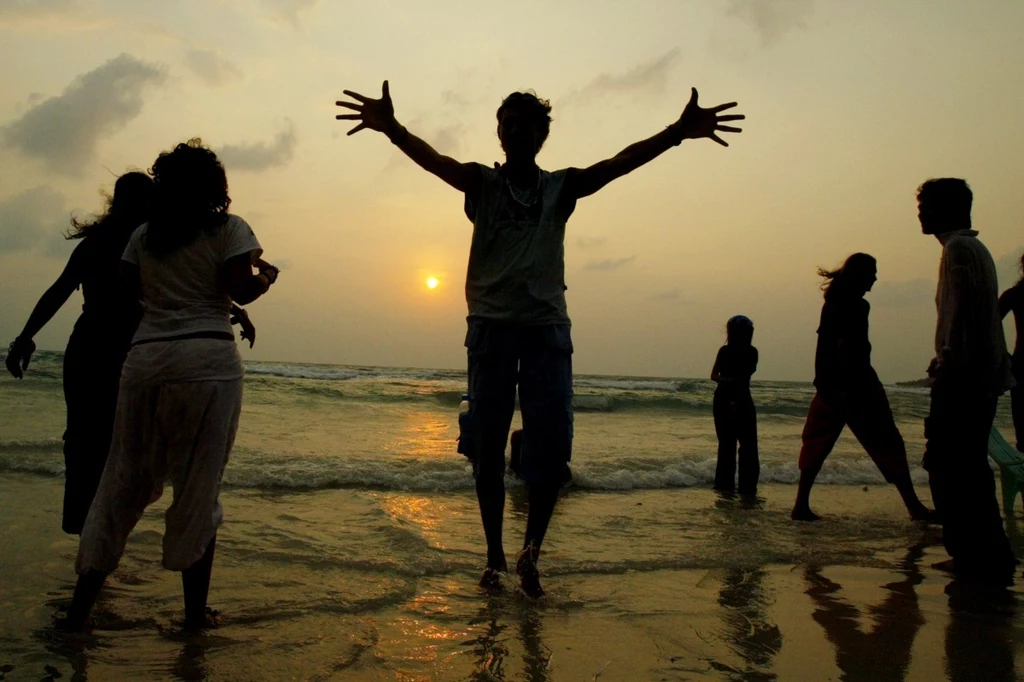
(946, 236)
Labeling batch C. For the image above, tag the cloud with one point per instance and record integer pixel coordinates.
(609, 264)
(591, 242)
(903, 293)
(670, 296)
(647, 77)
(289, 10)
(24, 9)
(771, 19)
(259, 156)
(62, 131)
(211, 67)
(28, 218)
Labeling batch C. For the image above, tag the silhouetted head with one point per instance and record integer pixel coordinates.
(191, 195)
(944, 205)
(855, 278)
(524, 121)
(739, 330)
(128, 208)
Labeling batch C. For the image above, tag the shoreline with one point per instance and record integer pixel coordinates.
(311, 602)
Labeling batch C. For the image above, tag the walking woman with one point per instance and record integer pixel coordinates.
(849, 392)
(181, 386)
(99, 342)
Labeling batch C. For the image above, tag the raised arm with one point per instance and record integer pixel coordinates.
(20, 351)
(694, 123)
(379, 115)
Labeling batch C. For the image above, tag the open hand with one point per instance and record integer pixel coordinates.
(697, 122)
(241, 318)
(18, 356)
(375, 114)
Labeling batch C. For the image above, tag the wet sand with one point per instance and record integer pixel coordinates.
(359, 585)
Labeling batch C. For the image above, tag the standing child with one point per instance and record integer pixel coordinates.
(735, 414)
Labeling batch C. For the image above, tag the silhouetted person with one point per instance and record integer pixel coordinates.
(849, 392)
(970, 370)
(734, 411)
(1013, 300)
(99, 342)
(515, 287)
(884, 653)
(181, 386)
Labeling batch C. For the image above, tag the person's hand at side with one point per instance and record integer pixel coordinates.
(19, 353)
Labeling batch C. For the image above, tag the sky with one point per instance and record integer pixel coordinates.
(849, 106)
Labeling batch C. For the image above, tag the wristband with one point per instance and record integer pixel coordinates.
(678, 135)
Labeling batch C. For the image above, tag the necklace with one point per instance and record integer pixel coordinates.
(528, 199)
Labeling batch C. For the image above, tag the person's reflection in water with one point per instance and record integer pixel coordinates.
(744, 604)
(73, 649)
(489, 646)
(979, 635)
(191, 662)
(536, 656)
(883, 653)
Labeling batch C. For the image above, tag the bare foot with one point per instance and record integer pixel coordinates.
(208, 621)
(804, 514)
(491, 581)
(925, 514)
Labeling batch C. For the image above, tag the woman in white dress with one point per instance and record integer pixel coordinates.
(181, 387)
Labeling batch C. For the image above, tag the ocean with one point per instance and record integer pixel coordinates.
(352, 545)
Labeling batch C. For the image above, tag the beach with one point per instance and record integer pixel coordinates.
(352, 546)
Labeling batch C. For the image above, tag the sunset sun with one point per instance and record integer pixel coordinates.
(432, 282)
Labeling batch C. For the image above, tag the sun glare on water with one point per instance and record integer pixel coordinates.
(432, 282)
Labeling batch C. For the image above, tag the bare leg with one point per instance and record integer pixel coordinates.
(542, 506)
(802, 508)
(195, 583)
(490, 493)
(918, 512)
(86, 590)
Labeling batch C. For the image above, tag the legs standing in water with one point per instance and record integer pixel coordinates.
(724, 413)
(539, 360)
(746, 432)
(183, 432)
(493, 373)
(545, 399)
(963, 487)
(91, 377)
(870, 419)
(736, 421)
(821, 431)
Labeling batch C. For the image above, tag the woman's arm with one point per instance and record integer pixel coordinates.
(241, 285)
(716, 371)
(20, 352)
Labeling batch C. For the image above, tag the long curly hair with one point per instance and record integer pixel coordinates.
(836, 281)
(126, 209)
(191, 196)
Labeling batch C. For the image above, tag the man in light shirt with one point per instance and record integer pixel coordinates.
(971, 369)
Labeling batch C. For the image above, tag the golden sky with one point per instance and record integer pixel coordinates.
(850, 106)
